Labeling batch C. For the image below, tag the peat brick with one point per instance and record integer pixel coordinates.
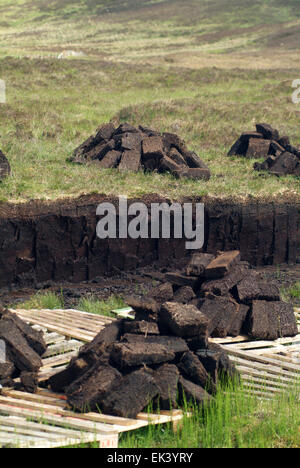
(129, 141)
(268, 132)
(29, 381)
(220, 313)
(139, 385)
(222, 265)
(197, 342)
(166, 378)
(152, 148)
(192, 393)
(192, 369)
(139, 353)
(183, 280)
(217, 363)
(183, 320)
(102, 150)
(58, 382)
(145, 308)
(198, 263)
(193, 160)
(7, 369)
(108, 335)
(110, 160)
(252, 288)
(237, 326)
(125, 128)
(258, 148)
(162, 293)
(284, 141)
(184, 294)
(23, 356)
(168, 165)
(5, 169)
(271, 320)
(33, 337)
(173, 344)
(104, 132)
(286, 163)
(221, 287)
(130, 161)
(177, 157)
(141, 328)
(85, 394)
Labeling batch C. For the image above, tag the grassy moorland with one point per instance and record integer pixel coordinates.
(202, 69)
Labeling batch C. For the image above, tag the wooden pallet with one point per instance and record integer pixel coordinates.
(43, 419)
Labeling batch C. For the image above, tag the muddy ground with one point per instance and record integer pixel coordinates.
(136, 283)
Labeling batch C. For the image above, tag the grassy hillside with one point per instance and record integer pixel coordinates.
(206, 70)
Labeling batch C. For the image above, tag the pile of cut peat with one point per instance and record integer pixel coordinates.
(132, 149)
(21, 357)
(4, 166)
(163, 357)
(281, 158)
(232, 296)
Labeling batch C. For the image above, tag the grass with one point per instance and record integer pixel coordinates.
(236, 419)
(52, 301)
(43, 300)
(95, 306)
(194, 68)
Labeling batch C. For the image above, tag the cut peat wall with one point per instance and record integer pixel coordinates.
(57, 241)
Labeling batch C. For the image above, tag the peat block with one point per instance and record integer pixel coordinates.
(162, 293)
(268, 132)
(220, 313)
(130, 396)
(33, 337)
(141, 328)
(222, 286)
(192, 368)
(222, 265)
(139, 353)
(166, 378)
(87, 392)
(184, 294)
(108, 335)
(24, 357)
(130, 161)
(183, 320)
(58, 382)
(173, 344)
(271, 320)
(4, 166)
(238, 324)
(145, 308)
(258, 148)
(29, 381)
(183, 280)
(198, 263)
(252, 288)
(192, 393)
(217, 363)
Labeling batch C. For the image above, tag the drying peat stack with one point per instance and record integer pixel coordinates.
(21, 357)
(4, 166)
(162, 357)
(234, 298)
(132, 149)
(281, 158)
